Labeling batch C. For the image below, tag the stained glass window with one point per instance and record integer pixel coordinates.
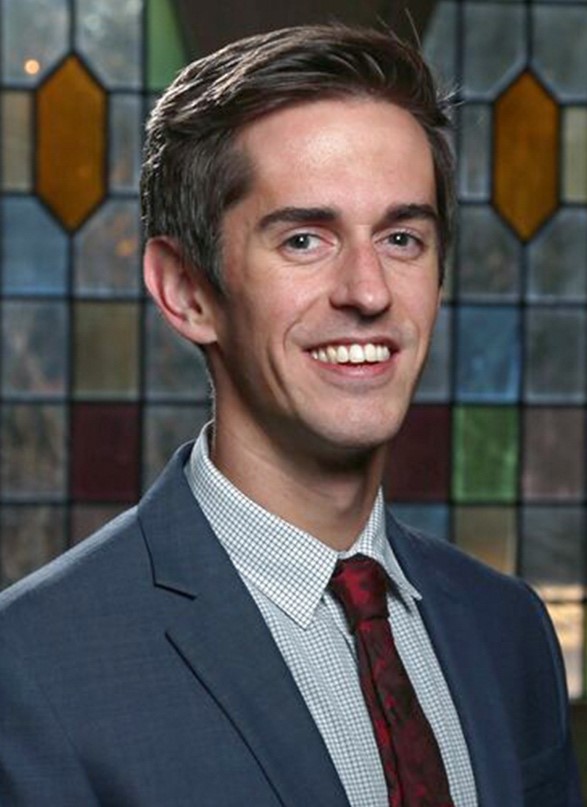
(518, 303)
(82, 351)
(492, 454)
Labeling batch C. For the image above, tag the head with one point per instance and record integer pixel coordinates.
(194, 172)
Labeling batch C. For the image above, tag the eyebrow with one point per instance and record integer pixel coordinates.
(297, 215)
(316, 215)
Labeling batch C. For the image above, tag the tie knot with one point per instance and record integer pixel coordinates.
(360, 585)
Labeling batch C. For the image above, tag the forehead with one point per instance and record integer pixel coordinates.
(361, 144)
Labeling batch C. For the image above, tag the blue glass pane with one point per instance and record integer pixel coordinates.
(560, 49)
(107, 251)
(494, 46)
(34, 249)
(432, 519)
(488, 351)
(434, 385)
(34, 348)
(558, 258)
(109, 36)
(34, 36)
(489, 257)
(474, 162)
(440, 45)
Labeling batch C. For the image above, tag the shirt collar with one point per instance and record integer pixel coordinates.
(288, 565)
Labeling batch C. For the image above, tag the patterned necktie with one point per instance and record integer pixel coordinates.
(411, 760)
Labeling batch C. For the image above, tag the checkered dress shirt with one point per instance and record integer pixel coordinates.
(287, 572)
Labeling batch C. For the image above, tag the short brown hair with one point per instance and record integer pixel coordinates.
(192, 173)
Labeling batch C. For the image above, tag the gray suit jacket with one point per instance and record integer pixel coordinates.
(136, 671)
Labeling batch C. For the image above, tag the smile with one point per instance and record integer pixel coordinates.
(352, 354)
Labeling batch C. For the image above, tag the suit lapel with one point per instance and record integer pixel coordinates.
(222, 637)
(468, 671)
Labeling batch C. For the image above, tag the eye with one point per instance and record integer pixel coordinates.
(301, 242)
(404, 244)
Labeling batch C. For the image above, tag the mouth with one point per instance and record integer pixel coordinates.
(352, 353)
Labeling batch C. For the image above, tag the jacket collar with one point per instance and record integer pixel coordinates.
(467, 667)
(214, 634)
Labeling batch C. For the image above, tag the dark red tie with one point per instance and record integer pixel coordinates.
(411, 760)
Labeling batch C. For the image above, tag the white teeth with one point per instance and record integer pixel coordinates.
(352, 354)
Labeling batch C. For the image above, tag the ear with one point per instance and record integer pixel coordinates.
(183, 294)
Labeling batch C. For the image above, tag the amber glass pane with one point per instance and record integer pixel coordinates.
(16, 141)
(489, 534)
(526, 128)
(568, 621)
(71, 116)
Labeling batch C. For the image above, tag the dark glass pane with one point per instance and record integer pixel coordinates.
(418, 466)
(488, 353)
(489, 534)
(86, 519)
(553, 552)
(555, 355)
(489, 257)
(166, 428)
(485, 454)
(434, 386)
(34, 348)
(558, 258)
(30, 536)
(32, 265)
(554, 453)
(33, 463)
(107, 251)
(175, 367)
(105, 452)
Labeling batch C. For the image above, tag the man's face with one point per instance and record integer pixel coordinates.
(330, 267)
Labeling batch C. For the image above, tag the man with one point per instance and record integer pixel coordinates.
(297, 198)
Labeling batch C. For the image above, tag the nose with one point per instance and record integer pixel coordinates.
(361, 283)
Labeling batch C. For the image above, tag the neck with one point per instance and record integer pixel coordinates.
(330, 497)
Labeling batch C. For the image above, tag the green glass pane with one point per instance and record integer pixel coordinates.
(485, 453)
(16, 121)
(575, 154)
(165, 49)
(106, 341)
